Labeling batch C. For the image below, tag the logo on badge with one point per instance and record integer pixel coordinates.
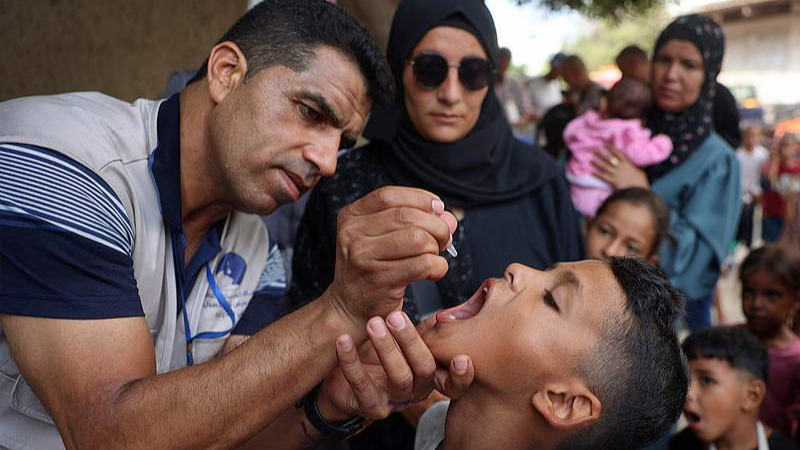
(230, 270)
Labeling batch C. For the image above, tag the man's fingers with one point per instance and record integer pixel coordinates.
(450, 220)
(367, 397)
(400, 379)
(454, 381)
(417, 354)
(392, 219)
(401, 244)
(393, 197)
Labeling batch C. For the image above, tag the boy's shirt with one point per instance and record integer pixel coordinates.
(430, 429)
(686, 440)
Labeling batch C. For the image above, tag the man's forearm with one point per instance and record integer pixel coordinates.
(222, 403)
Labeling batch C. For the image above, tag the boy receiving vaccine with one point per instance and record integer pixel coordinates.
(729, 375)
(581, 356)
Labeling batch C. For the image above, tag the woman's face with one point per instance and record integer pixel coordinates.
(447, 112)
(678, 75)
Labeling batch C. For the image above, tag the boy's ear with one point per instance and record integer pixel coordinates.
(754, 392)
(567, 407)
(227, 67)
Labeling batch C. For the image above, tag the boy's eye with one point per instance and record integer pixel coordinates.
(550, 301)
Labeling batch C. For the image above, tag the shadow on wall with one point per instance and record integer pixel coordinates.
(376, 15)
(125, 49)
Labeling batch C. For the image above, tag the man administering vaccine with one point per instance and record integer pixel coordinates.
(133, 259)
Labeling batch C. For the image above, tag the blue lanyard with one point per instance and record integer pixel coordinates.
(223, 302)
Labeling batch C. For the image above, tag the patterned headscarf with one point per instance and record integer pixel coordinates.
(689, 128)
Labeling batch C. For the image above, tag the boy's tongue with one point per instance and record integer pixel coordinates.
(464, 311)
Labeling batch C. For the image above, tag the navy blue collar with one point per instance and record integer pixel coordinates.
(166, 161)
(165, 166)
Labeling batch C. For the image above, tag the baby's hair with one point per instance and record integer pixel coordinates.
(781, 261)
(631, 98)
(734, 345)
(642, 197)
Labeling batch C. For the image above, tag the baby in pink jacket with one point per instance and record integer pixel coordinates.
(618, 125)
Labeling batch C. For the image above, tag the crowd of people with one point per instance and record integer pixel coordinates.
(504, 264)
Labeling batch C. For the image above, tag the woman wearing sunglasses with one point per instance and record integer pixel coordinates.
(445, 133)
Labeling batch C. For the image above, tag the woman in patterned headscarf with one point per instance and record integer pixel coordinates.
(700, 180)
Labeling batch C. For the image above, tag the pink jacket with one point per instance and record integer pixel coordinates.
(589, 133)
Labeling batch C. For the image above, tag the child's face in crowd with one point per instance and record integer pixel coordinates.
(767, 302)
(718, 396)
(788, 148)
(623, 229)
(530, 327)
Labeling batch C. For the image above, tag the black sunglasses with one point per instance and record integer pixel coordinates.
(430, 70)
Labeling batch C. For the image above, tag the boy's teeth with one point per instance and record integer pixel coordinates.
(445, 317)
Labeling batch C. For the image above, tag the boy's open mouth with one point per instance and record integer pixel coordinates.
(466, 310)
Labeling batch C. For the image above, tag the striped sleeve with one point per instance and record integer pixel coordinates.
(267, 304)
(66, 241)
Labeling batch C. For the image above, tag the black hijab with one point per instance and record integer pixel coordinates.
(488, 165)
(690, 128)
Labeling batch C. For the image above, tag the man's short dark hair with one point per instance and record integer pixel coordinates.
(504, 53)
(638, 370)
(574, 61)
(289, 32)
(632, 52)
(734, 345)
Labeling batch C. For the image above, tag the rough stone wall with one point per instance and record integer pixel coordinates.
(126, 49)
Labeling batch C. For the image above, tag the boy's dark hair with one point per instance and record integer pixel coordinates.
(289, 32)
(781, 261)
(638, 370)
(633, 52)
(574, 61)
(642, 197)
(734, 345)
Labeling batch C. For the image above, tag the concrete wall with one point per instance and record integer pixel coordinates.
(376, 15)
(124, 48)
(765, 53)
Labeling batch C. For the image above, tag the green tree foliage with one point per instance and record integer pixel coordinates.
(602, 43)
(602, 9)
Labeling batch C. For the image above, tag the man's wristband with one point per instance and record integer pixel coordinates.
(334, 431)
